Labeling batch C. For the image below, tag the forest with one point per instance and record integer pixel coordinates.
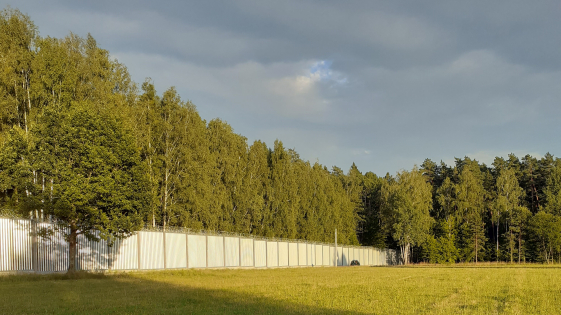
(83, 145)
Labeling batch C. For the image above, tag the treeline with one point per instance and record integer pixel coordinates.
(469, 212)
(81, 143)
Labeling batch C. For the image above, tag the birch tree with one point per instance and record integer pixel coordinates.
(507, 201)
(470, 201)
(407, 202)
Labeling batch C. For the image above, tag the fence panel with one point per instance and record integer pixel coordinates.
(91, 254)
(151, 250)
(272, 254)
(176, 250)
(260, 253)
(215, 251)
(5, 245)
(19, 249)
(301, 254)
(247, 252)
(52, 251)
(318, 249)
(232, 252)
(22, 242)
(340, 257)
(283, 254)
(325, 253)
(124, 254)
(362, 259)
(293, 254)
(196, 246)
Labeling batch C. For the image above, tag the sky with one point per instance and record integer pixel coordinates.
(383, 84)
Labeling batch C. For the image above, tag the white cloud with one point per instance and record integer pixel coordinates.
(287, 89)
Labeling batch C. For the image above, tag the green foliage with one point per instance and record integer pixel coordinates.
(470, 202)
(545, 236)
(79, 143)
(88, 172)
(81, 146)
(507, 206)
(406, 205)
(552, 189)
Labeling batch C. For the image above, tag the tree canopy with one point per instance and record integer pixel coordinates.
(83, 145)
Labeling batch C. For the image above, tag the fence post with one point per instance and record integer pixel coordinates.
(206, 246)
(253, 252)
(187, 248)
(224, 250)
(298, 254)
(278, 254)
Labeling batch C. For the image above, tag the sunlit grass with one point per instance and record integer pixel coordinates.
(455, 289)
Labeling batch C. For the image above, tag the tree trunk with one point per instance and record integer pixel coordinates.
(24, 110)
(17, 104)
(497, 239)
(476, 247)
(519, 243)
(405, 253)
(510, 244)
(72, 250)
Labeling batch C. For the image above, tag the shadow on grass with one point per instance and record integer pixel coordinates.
(86, 293)
(479, 266)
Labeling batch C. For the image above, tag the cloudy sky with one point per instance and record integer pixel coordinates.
(384, 84)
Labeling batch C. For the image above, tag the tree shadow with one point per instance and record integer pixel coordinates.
(133, 293)
(27, 246)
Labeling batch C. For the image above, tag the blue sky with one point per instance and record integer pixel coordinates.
(384, 84)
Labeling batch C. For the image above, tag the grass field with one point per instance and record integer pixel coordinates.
(347, 290)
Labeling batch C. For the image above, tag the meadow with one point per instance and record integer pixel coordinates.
(458, 289)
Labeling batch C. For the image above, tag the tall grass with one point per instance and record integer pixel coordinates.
(456, 289)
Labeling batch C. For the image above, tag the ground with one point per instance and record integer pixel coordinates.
(459, 289)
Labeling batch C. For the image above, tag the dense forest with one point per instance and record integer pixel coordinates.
(84, 145)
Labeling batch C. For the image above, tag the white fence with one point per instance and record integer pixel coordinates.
(21, 250)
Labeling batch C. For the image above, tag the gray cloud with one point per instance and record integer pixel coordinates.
(400, 81)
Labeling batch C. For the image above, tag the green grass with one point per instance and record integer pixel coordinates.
(458, 289)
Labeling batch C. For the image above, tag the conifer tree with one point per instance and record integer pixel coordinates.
(98, 180)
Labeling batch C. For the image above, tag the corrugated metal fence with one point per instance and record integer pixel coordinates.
(21, 250)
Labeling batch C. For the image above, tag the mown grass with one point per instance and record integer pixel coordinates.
(457, 289)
